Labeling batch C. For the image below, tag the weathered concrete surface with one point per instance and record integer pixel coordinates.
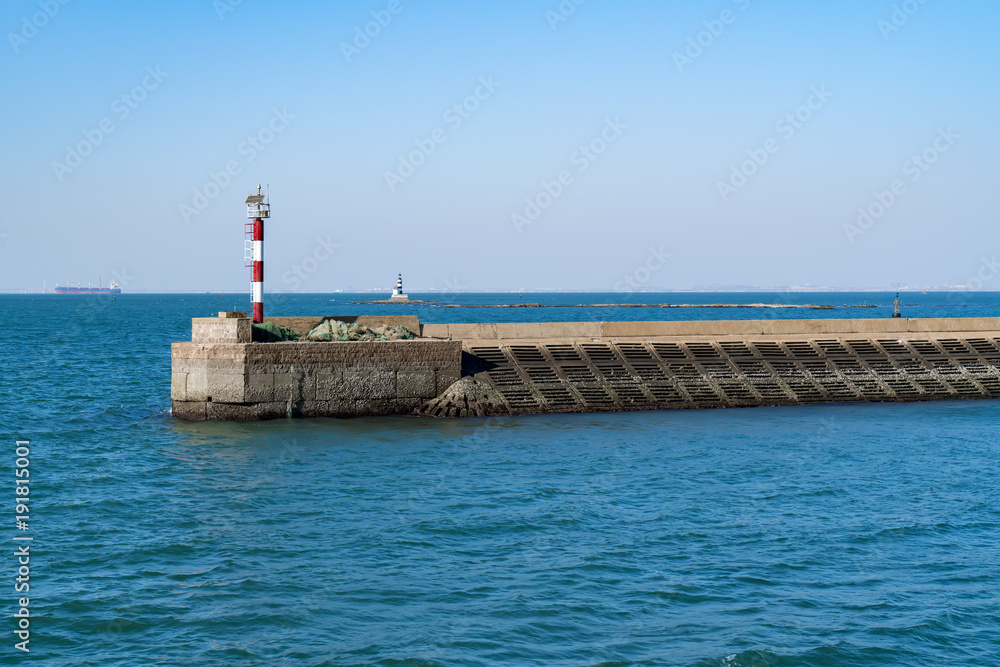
(253, 381)
(222, 329)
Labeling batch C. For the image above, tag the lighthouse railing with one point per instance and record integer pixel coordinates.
(258, 211)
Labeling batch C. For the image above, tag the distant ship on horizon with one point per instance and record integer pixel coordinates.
(89, 289)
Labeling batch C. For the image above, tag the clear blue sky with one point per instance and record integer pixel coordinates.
(332, 121)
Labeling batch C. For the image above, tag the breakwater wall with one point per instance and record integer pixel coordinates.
(220, 374)
(455, 370)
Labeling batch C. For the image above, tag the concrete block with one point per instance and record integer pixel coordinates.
(446, 378)
(434, 331)
(374, 408)
(340, 408)
(860, 326)
(310, 409)
(259, 387)
(308, 387)
(680, 328)
(221, 330)
(951, 324)
(368, 384)
(192, 411)
(294, 386)
(382, 384)
(187, 365)
(328, 384)
(197, 387)
(347, 408)
(416, 384)
(804, 327)
(224, 366)
(550, 330)
(653, 329)
(507, 331)
(226, 388)
(472, 331)
(247, 412)
(178, 386)
(630, 329)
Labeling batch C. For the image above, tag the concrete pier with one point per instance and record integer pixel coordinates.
(220, 374)
(454, 370)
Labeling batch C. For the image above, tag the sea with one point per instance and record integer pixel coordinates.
(849, 534)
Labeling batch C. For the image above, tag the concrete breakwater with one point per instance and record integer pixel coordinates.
(456, 370)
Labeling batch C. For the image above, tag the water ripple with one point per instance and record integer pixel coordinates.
(817, 535)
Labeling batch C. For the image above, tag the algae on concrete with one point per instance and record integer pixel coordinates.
(268, 332)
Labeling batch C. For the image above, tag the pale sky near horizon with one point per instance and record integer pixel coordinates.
(524, 144)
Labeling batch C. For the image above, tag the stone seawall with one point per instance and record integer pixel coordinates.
(529, 368)
(256, 381)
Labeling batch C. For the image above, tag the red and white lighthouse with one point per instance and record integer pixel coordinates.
(257, 210)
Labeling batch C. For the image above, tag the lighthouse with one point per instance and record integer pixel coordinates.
(257, 210)
(397, 292)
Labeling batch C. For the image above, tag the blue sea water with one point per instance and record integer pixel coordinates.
(817, 535)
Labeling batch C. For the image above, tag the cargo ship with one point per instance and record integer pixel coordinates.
(114, 289)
